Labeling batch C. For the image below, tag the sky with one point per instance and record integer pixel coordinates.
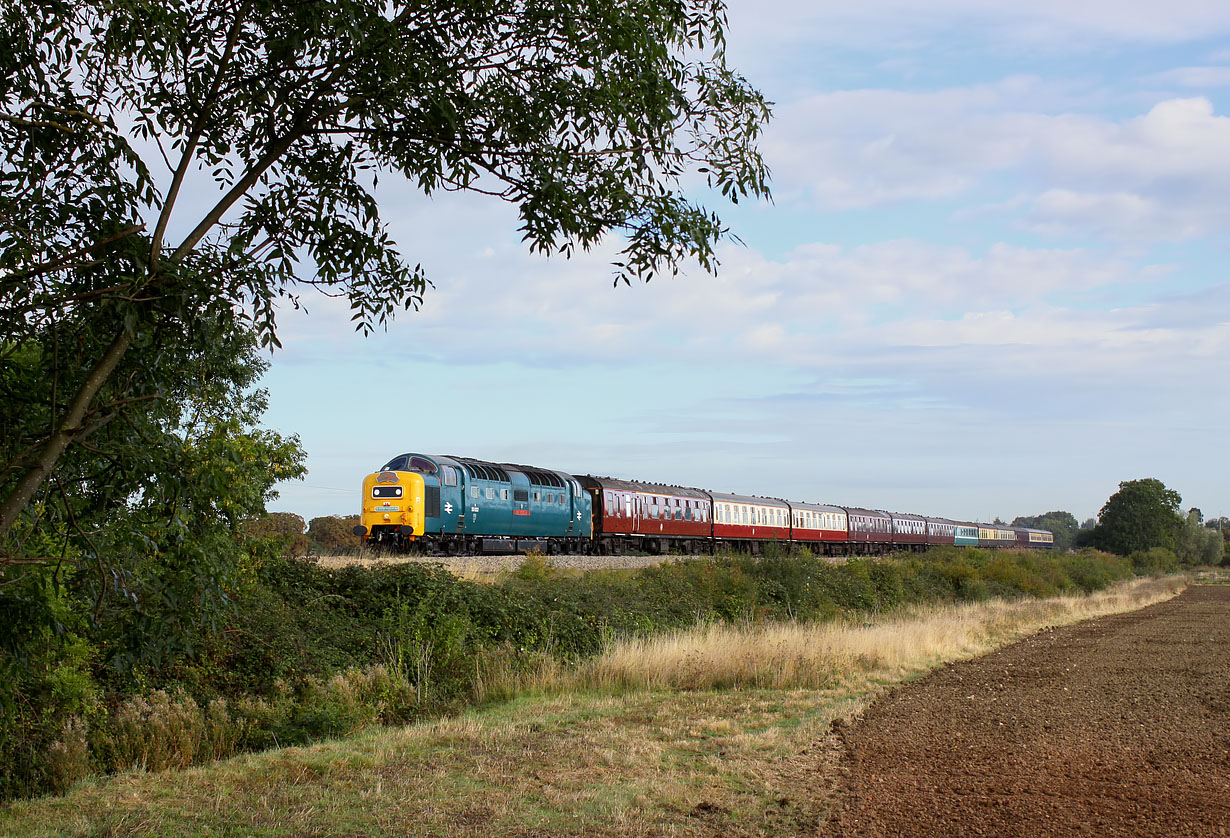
(991, 282)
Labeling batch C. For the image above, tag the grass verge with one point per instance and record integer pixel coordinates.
(712, 731)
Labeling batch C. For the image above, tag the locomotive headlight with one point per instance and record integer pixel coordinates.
(386, 516)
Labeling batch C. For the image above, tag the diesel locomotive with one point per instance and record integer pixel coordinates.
(457, 505)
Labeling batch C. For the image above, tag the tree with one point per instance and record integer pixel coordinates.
(1063, 525)
(1197, 544)
(1143, 514)
(334, 533)
(131, 556)
(286, 528)
(586, 114)
(145, 515)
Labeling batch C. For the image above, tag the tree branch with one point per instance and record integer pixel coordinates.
(194, 137)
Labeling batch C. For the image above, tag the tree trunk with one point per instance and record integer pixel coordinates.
(57, 443)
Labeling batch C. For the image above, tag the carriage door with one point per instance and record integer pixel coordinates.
(631, 512)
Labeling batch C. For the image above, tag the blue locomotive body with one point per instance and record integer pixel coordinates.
(476, 506)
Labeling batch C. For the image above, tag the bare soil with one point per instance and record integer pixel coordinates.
(1112, 727)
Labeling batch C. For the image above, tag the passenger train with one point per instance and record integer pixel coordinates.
(457, 505)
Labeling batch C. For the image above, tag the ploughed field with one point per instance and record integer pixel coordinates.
(1114, 726)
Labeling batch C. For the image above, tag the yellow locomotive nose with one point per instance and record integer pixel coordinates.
(393, 505)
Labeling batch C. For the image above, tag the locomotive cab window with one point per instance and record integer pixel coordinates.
(450, 476)
(386, 491)
(421, 465)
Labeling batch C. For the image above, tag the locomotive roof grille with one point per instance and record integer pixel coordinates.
(485, 471)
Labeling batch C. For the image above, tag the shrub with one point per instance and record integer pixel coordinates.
(311, 652)
(1155, 561)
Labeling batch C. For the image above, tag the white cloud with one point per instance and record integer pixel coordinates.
(1159, 176)
(1196, 77)
(874, 310)
(1050, 25)
(866, 147)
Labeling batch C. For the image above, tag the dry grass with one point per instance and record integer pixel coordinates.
(644, 741)
(489, 569)
(817, 656)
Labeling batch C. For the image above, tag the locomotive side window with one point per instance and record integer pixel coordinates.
(473, 491)
(450, 476)
(490, 493)
(521, 495)
(386, 491)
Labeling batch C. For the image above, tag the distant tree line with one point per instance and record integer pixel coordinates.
(292, 536)
(1142, 520)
